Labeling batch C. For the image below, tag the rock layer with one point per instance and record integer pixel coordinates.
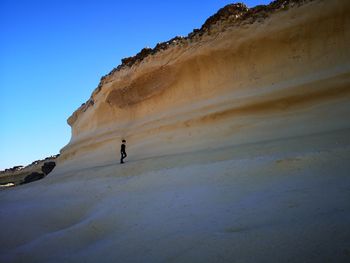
(247, 75)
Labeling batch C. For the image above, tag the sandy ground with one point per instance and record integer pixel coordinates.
(276, 201)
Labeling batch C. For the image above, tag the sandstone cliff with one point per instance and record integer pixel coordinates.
(238, 143)
(247, 75)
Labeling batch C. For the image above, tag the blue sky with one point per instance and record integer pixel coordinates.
(53, 54)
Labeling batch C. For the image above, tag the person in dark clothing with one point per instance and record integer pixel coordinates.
(123, 152)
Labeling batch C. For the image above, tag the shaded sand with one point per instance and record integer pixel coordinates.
(276, 201)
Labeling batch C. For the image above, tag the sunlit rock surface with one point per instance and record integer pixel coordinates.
(238, 150)
(286, 75)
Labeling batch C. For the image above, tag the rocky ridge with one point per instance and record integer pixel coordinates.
(228, 16)
(25, 174)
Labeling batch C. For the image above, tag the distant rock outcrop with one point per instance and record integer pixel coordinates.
(46, 168)
(22, 175)
(33, 177)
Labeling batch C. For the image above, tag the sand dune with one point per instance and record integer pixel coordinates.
(238, 144)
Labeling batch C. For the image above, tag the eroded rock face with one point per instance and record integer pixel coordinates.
(33, 177)
(246, 75)
(230, 15)
(48, 167)
(144, 87)
(33, 172)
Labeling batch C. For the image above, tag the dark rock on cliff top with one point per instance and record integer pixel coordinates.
(138, 57)
(48, 167)
(228, 11)
(33, 177)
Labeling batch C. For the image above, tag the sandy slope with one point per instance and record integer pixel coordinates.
(278, 201)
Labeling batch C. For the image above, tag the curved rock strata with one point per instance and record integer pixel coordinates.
(247, 75)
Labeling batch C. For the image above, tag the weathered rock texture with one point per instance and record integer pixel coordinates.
(247, 75)
(21, 175)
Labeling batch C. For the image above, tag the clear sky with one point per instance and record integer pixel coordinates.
(54, 52)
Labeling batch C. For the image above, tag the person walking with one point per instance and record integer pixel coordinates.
(122, 151)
